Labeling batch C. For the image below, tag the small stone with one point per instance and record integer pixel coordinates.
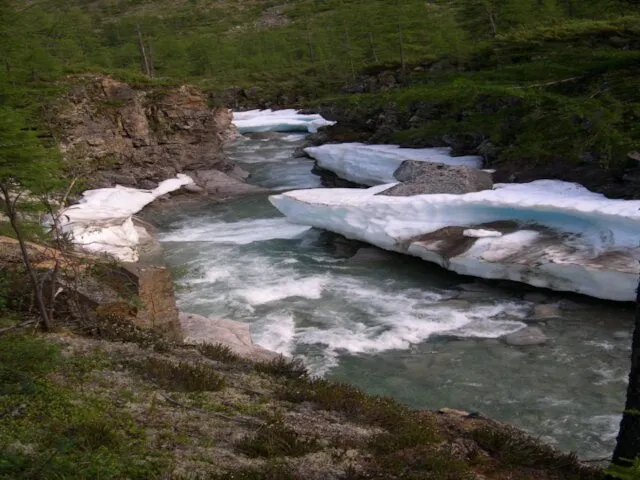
(526, 337)
(147, 184)
(546, 312)
(535, 297)
(192, 188)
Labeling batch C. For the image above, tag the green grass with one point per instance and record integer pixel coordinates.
(51, 429)
(275, 439)
(180, 377)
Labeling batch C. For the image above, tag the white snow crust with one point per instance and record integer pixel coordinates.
(102, 221)
(568, 238)
(289, 120)
(374, 164)
(481, 233)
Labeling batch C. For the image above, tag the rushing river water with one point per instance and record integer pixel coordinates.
(402, 327)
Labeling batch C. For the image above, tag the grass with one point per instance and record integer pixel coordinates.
(274, 440)
(180, 377)
(71, 411)
(284, 367)
(219, 352)
(50, 429)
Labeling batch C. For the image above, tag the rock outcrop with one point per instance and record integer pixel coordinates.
(86, 287)
(420, 178)
(112, 133)
(235, 335)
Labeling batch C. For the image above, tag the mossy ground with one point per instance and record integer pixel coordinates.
(76, 408)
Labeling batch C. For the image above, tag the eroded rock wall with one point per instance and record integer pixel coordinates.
(112, 133)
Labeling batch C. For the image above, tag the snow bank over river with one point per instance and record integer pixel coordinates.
(548, 233)
(375, 164)
(102, 221)
(290, 120)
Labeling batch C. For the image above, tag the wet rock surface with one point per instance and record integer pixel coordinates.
(137, 137)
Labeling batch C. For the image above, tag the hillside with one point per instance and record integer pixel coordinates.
(79, 408)
(523, 83)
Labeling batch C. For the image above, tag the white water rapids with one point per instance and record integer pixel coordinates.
(403, 327)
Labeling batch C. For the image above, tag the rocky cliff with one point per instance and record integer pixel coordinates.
(112, 133)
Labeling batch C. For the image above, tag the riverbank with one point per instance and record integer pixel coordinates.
(163, 411)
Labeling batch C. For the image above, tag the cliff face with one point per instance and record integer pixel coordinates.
(112, 133)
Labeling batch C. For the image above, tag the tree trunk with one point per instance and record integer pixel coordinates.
(628, 443)
(10, 210)
(144, 59)
(403, 61)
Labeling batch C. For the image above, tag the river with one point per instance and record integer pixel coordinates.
(401, 326)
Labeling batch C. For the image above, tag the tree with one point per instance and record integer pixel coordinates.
(628, 444)
(27, 170)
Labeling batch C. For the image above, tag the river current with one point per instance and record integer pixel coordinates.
(399, 327)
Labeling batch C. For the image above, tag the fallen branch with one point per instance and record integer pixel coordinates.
(20, 325)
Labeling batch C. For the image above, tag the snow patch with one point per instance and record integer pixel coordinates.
(102, 221)
(375, 164)
(289, 120)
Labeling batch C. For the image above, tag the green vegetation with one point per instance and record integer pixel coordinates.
(533, 81)
(52, 429)
(275, 439)
(180, 377)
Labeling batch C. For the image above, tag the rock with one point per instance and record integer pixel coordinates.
(236, 335)
(219, 184)
(371, 255)
(147, 184)
(424, 177)
(193, 188)
(546, 312)
(535, 297)
(526, 337)
(121, 179)
(138, 136)
(239, 173)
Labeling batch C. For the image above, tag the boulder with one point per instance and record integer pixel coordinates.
(526, 337)
(198, 329)
(424, 178)
(215, 182)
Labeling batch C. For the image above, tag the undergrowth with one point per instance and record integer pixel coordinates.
(52, 429)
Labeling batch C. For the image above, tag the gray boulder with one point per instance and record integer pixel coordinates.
(424, 177)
